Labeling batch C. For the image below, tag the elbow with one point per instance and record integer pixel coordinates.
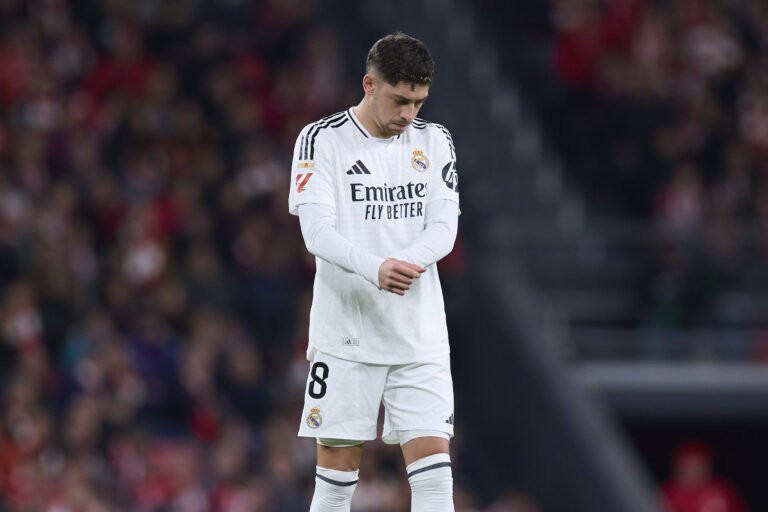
(311, 246)
(311, 238)
(449, 241)
(443, 252)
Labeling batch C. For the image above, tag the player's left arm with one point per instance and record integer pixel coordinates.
(442, 208)
(438, 237)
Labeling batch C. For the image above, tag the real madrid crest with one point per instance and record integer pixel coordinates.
(314, 420)
(420, 162)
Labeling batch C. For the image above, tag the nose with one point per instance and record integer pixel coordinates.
(408, 112)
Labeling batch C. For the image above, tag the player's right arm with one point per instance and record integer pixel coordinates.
(312, 198)
(322, 240)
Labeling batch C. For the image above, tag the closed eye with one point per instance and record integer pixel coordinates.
(400, 100)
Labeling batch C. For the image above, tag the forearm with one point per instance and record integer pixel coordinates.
(322, 240)
(438, 237)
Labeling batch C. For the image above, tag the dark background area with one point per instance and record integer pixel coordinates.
(739, 447)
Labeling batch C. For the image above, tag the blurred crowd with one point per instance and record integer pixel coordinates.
(675, 96)
(693, 485)
(154, 291)
(683, 91)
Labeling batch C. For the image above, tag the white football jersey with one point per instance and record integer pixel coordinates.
(380, 190)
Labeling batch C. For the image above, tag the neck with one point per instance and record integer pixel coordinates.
(364, 114)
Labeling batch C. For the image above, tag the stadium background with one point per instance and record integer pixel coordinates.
(607, 297)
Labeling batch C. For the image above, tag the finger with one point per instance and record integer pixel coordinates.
(395, 291)
(399, 286)
(415, 267)
(406, 271)
(400, 278)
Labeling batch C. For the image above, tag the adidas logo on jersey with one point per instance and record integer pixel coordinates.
(359, 168)
(450, 419)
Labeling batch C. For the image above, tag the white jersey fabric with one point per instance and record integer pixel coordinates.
(322, 239)
(379, 191)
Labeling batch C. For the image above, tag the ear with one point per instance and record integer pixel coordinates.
(369, 84)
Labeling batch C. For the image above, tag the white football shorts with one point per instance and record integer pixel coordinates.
(342, 399)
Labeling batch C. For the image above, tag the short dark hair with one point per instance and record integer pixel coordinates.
(401, 58)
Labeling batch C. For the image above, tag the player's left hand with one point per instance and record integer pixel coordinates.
(397, 276)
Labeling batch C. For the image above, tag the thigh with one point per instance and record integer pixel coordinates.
(341, 400)
(418, 396)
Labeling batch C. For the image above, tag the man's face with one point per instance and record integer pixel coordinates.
(395, 107)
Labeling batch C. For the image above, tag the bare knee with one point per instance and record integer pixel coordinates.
(421, 447)
(346, 458)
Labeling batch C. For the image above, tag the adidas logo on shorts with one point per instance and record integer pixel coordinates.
(450, 419)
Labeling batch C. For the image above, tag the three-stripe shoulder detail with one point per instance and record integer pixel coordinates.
(421, 124)
(352, 118)
(308, 139)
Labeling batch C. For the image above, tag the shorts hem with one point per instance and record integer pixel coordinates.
(387, 438)
(313, 350)
(326, 435)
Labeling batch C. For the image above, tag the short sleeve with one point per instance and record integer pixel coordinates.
(444, 182)
(312, 178)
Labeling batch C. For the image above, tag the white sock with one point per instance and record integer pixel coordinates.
(431, 482)
(333, 490)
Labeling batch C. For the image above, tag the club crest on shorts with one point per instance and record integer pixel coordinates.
(314, 420)
(420, 162)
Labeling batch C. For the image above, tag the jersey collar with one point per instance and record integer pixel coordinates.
(364, 132)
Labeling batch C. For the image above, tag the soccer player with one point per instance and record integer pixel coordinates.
(376, 192)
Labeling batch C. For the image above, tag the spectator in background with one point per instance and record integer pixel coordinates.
(694, 488)
(675, 95)
(153, 296)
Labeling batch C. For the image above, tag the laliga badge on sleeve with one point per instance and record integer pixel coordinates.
(314, 420)
(420, 162)
(301, 181)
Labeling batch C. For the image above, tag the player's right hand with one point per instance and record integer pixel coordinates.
(397, 276)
